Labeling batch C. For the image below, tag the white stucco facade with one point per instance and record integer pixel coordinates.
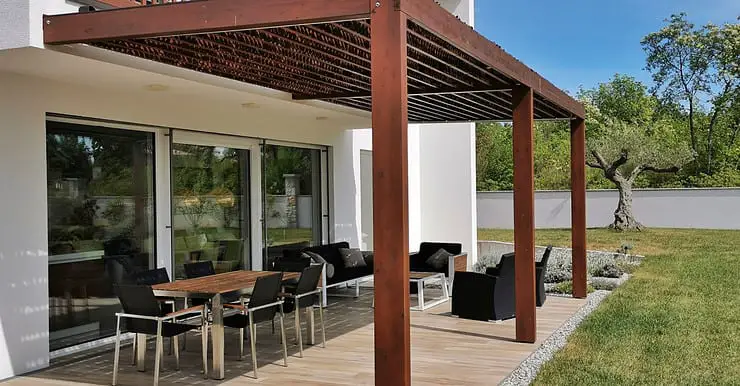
(441, 180)
(85, 83)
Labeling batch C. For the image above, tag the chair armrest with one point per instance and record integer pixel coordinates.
(277, 303)
(492, 271)
(235, 306)
(457, 263)
(189, 310)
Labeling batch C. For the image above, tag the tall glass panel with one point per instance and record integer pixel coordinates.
(210, 206)
(292, 188)
(100, 193)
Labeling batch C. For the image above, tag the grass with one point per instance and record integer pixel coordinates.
(676, 321)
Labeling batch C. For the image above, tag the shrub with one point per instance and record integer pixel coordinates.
(484, 262)
(558, 271)
(566, 287)
(607, 269)
(604, 283)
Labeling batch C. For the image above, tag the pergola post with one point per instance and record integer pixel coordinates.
(523, 139)
(578, 204)
(390, 194)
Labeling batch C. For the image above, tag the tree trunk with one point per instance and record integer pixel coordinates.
(624, 219)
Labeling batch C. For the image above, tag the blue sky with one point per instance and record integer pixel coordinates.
(585, 42)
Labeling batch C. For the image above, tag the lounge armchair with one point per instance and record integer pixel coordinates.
(482, 296)
(541, 270)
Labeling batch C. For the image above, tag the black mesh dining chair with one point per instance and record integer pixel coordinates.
(304, 296)
(199, 269)
(263, 306)
(151, 277)
(144, 315)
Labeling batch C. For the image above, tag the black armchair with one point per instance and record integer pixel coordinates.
(481, 296)
(541, 270)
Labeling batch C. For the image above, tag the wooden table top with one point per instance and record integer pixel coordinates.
(222, 283)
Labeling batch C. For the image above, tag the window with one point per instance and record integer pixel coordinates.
(292, 204)
(100, 190)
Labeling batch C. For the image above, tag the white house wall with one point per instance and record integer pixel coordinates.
(24, 102)
(441, 173)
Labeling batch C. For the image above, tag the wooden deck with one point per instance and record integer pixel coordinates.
(445, 350)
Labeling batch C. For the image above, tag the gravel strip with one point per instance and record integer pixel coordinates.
(525, 373)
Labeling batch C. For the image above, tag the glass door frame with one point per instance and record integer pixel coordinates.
(322, 233)
(247, 166)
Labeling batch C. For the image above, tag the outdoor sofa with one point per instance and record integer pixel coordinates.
(335, 273)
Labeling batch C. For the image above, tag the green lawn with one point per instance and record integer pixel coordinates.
(676, 321)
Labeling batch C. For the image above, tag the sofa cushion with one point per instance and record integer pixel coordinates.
(330, 252)
(427, 249)
(352, 257)
(439, 260)
(316, 258)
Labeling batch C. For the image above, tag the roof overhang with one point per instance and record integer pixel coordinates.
(320, 50)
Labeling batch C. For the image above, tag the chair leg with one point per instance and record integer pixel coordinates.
(253, 341)
(298, 331)
(241, 344)
(176, 345)
(133, 352)
(158, 354)
(118, 351)
(184, 335)
(323, 329)
(282, 337)
(357, 288)
(204, 348)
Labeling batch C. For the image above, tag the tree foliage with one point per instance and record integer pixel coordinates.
(694, 102)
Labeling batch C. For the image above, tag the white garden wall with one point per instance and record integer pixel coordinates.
(661, 208)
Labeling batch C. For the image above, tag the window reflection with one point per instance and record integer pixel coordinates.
(100, 224)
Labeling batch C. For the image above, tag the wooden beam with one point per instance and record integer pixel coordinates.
(390, 195)
(578, 205)
(523, 138)
(448, 27)
(196, 17)
(440, 91)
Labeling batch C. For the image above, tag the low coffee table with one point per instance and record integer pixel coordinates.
(421, 279)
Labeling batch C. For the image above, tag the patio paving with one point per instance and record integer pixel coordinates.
(444, 350)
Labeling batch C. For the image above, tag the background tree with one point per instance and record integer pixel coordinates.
(697, 71)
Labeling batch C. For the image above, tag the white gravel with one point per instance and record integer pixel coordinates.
(528, 369)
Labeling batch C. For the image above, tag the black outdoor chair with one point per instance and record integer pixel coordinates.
(291, 265)
(541, 271)
(199, 269)
(305, 295)
(264, 305)
(482, 296)
(145, 316)
(152, 277)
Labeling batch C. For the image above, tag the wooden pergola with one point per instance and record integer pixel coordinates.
(406, 61)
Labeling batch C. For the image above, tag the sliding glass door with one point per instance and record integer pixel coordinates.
(292, 198)
(100, 196)
(210, 205)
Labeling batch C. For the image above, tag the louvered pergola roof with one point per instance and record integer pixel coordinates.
(320, 50)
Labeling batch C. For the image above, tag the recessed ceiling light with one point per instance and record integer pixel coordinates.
(156, 87)
(321, 118)
(250, 105)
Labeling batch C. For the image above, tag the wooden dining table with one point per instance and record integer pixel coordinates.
(216, 288)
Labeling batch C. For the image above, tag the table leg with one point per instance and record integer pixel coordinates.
(420, 294)
(311, 325)
(217, 333)
(140, 352)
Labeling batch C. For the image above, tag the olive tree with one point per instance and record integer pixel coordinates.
(624, 151)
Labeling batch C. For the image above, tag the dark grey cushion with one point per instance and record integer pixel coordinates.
(316, 258)
(438, 260)
(352, 258)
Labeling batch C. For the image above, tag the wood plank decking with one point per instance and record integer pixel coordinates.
(444, 350)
